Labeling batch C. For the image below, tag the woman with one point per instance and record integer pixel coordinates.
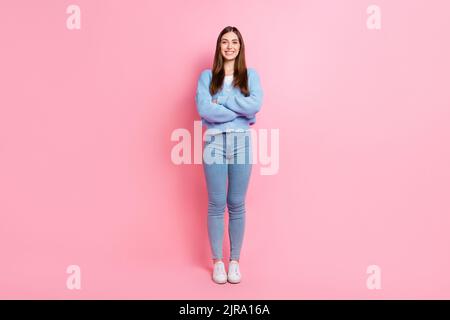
(227, 99)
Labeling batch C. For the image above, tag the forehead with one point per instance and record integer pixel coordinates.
(229, 36)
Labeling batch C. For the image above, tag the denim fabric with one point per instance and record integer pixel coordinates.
(227, 156)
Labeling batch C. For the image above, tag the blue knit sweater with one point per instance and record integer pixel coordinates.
(233, 110)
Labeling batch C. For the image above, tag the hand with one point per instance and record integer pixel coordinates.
(214, 101)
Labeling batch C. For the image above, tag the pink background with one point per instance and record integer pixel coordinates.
(86, 176)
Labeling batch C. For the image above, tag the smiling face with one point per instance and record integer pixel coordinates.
(229, 46)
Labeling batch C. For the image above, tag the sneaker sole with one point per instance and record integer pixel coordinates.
(234, 282)
(218, 282)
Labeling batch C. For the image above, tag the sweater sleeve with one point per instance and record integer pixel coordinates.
(246, 106)
(212, 112)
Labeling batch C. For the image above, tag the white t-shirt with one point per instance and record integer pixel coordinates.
(228, 80)
(227, 83)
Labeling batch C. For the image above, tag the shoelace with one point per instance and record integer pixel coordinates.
(234, 268)
(219, 268)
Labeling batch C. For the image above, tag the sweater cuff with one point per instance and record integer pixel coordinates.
(222, 100)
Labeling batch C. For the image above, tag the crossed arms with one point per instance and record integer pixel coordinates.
(227, 108)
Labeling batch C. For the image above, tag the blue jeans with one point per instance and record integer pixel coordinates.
(227, 155)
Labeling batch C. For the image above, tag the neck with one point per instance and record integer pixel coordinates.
(228, 66)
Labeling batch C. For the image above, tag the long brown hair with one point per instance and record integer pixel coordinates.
(240, 68)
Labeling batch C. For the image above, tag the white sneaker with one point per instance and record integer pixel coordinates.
(234, 275)
(219, 273)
